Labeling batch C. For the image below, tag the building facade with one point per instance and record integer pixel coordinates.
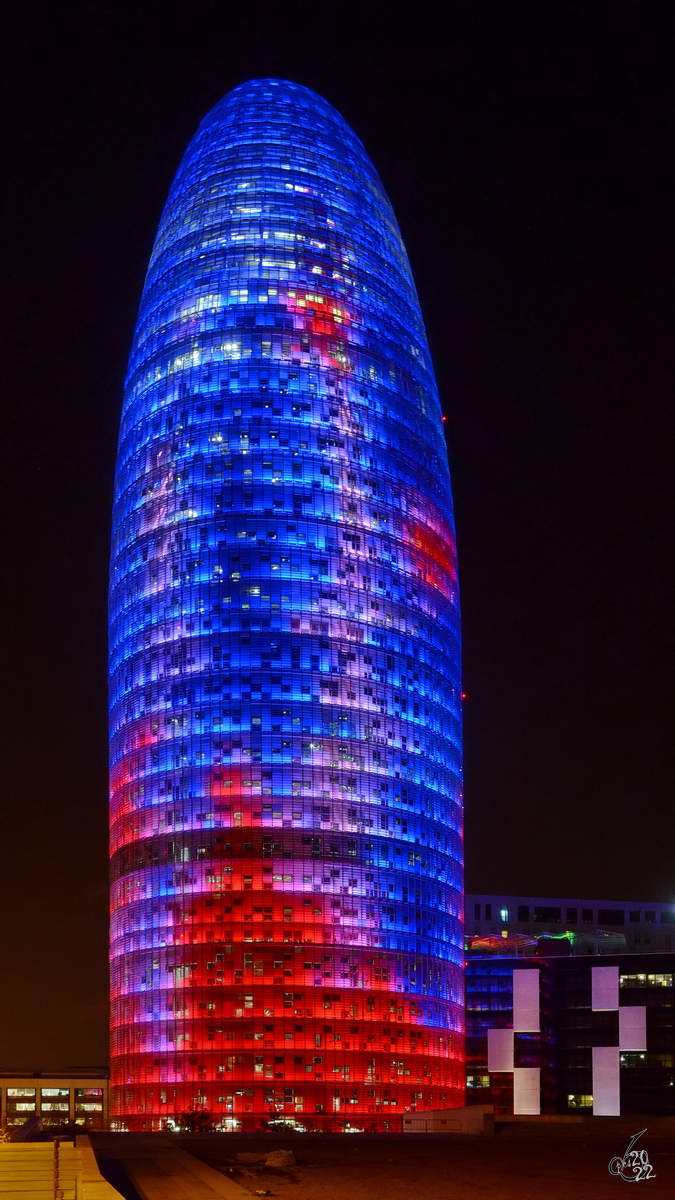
(632, 925)
(555, 1028)
(61, 1098)
(285, 729)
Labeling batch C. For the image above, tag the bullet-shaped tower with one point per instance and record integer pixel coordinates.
(285, 728)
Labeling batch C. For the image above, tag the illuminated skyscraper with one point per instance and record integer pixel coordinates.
(286, 818)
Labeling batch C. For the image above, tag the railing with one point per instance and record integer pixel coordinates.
(41, 1169)
(57, 1170)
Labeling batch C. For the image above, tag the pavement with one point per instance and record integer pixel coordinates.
(387, 1166)
(159, 1170)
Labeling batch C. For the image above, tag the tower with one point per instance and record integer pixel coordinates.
(285, 730)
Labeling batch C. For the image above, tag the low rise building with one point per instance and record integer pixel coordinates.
(75, 1097)
(560, 1032)
(640, 927)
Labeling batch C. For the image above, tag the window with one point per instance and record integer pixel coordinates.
(587, 916)
(89, 1107)
(523, 912)
(476, 907)
(55, 1105)
(21, 1104)
(650, 916)
(611, 916)
(578, 1100)
(634, 915)
(668, 918)
(504, 915)
(643, 980)
(488, 912)
(547, 915)
(571, 916)
(647, 1060)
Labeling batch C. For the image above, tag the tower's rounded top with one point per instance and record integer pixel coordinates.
(276, 204)
(279, 92)
(261, 109)
(282, 91)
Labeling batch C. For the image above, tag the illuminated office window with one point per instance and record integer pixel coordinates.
(89, 1107)
(55, 1105)
(21, 1104)
(286, 813)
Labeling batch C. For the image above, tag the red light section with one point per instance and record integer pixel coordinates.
(260, 1004)
(271, 993)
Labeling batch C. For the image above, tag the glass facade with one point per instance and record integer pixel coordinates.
(89, 1107)
(57, 1099)
(54, 1105)
(286, 814)
(21, 1104)
(571, 1027)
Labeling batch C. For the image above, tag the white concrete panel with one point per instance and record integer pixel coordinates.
(526, 1091)
(500, 1049)
(606, 1100)
(633, 1028)
(526, 1001)
(604, 988)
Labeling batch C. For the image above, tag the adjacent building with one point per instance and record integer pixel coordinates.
(285, 730)
(570, 1006)
(639, 926)
(75, 1097)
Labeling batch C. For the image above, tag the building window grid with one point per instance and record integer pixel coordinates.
(570, 1029)
(57, 1104)
(285, 705)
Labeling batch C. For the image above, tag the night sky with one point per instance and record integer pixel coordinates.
(528, 151)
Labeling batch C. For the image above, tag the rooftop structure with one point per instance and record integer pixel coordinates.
(596, 926)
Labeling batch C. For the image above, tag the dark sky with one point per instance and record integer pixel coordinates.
(528, 151)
